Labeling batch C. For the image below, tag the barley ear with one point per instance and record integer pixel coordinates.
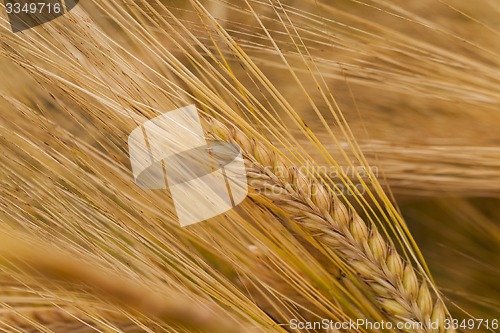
(398, 290)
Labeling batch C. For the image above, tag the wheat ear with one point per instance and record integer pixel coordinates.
(398, 290)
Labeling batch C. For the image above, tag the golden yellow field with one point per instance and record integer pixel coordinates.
(368, 131)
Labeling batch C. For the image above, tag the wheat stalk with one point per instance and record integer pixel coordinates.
(54, 319)
(431, 170)
(395, 283)
(41, 262)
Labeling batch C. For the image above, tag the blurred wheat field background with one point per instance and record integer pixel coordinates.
(370, 136)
